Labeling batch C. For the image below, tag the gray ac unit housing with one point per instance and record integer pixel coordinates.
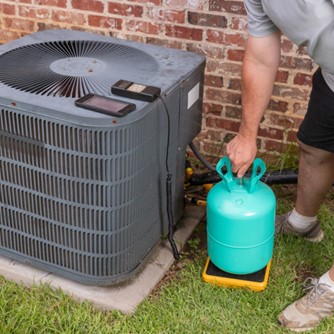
(83, 194)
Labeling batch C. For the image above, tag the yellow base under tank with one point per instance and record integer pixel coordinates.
(255, 281)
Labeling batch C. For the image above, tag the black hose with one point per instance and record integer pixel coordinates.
(200, 157)
(284, 176)
(169, 198)
(176, 253)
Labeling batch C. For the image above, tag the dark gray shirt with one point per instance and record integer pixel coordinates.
(308, 23)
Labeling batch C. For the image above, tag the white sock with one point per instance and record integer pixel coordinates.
(325, 279)
(299, 222)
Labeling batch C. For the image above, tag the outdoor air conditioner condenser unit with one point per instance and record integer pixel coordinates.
(83, 194)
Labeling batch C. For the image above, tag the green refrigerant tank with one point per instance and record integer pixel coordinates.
(240, 220)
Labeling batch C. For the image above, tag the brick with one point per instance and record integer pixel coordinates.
(238, 23)
(169, 43)
(90, 5)
(223, 96)
(302, 50)
(286, 45)
(68, 17)
(166, 15)
(303, 79)
(184, 32)
(54, 3)
(278, 105)
(125, 10)
(6, 36)
(223, 38)
(214, 135)
(193, 4)
(215, 36)
(149, 2)
(177, 3)
(271, 133)
(133, 38)
(235, 55)
(212, 65)
(105, 22)
(213, 149)
(7, 9)
(233, 69)
(291, 92)
(296, 63)
(299, 108)
(234, 84)
(19, 24)
(206, 49)
(212, 108)
(219, 122)
(235, 7)
(207, 20)
(276, 146)
(34, 13)
(176, 16)
(235, 39)
(144, 27)
(214, 81)
(292, 136)
(279, 120)
(41, 26)
(233, 112)
(297, 122)
(282, 76)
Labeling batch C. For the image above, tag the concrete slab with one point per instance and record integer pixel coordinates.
(124, 297)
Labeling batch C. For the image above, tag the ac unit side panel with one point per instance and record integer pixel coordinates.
(191, 107)
(185, 108)
(190, 124)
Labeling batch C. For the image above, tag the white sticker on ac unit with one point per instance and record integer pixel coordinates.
(193, 95)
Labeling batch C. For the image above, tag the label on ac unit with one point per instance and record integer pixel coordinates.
(193, 95)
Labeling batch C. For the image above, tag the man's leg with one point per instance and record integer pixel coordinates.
(315, 177)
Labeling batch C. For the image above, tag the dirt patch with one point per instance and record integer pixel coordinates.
(305, 271)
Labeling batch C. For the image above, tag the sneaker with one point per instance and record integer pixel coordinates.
(282, 226)
(307, 312)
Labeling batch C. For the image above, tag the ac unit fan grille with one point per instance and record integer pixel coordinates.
(72, 68)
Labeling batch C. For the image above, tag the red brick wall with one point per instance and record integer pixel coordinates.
(215, 28)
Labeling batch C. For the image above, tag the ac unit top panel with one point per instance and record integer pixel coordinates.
(47, 71)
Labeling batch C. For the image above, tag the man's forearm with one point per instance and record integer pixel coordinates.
(261, 61)
(259, 72)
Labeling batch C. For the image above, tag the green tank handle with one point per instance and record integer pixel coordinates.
(258, 170)
(227, 177)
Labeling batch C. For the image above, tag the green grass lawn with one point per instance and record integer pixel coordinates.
(183, 303)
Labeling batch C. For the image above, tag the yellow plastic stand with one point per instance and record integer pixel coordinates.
(255, 281)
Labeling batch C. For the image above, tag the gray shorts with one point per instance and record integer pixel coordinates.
(317, 128)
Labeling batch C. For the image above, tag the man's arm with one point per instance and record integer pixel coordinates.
(261, 61)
